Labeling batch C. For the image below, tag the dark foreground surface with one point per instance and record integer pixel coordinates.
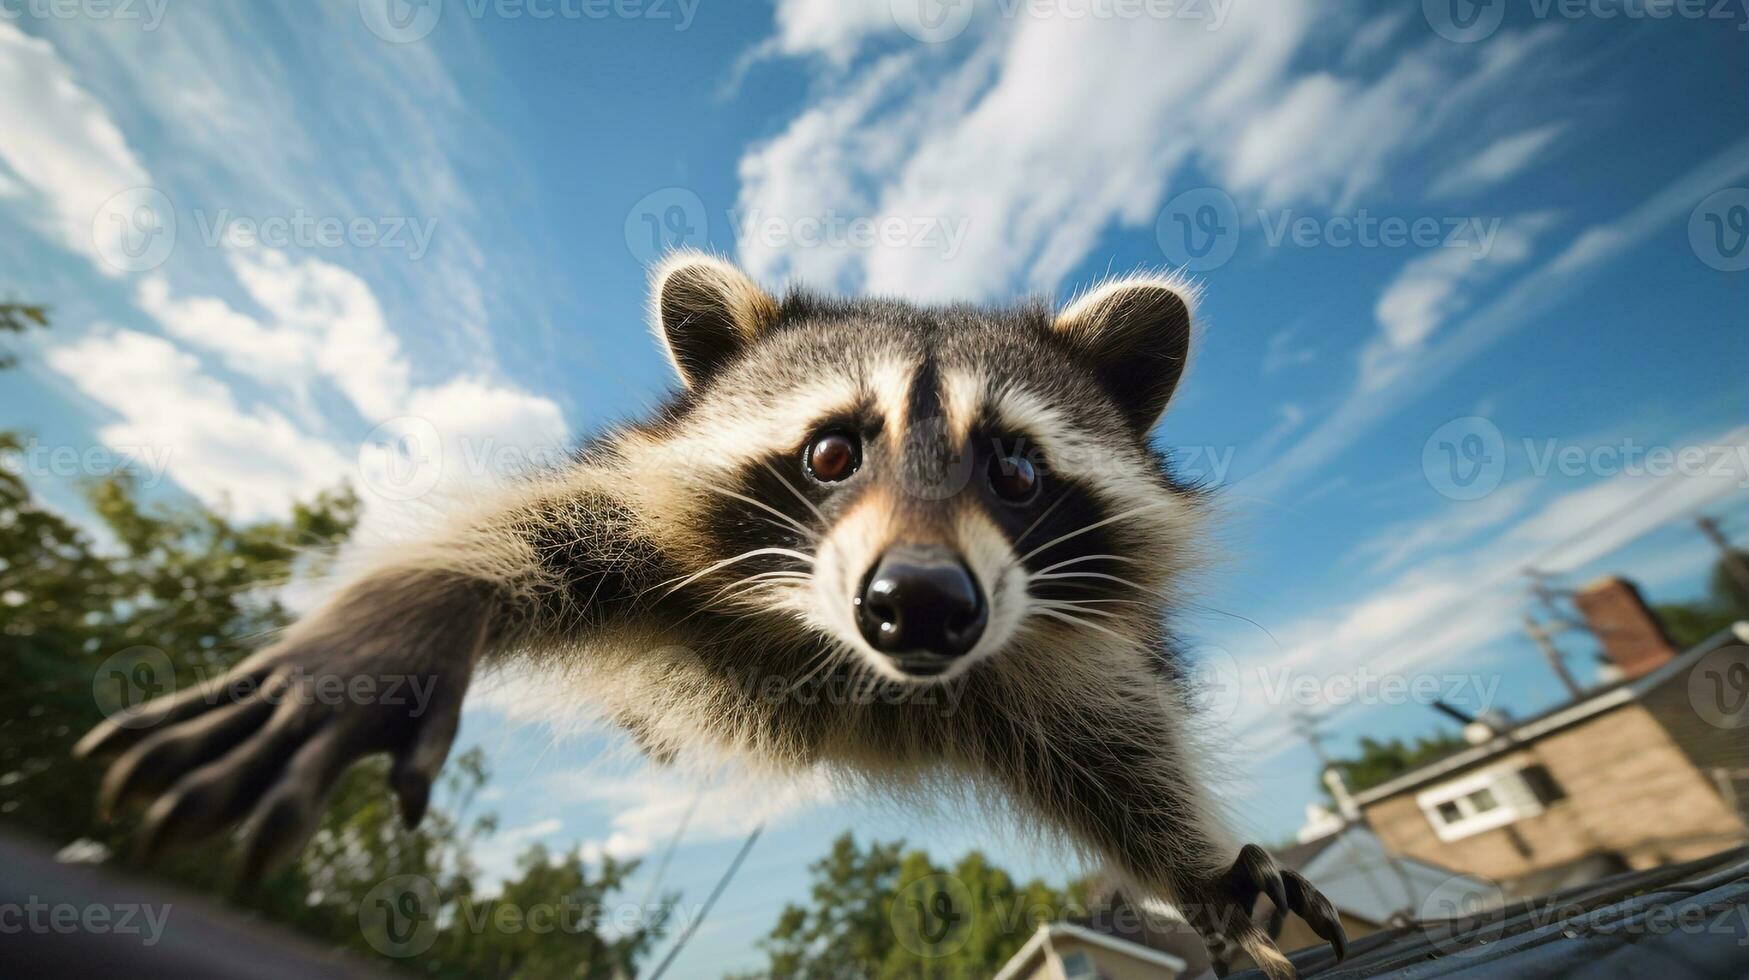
(1669, 923)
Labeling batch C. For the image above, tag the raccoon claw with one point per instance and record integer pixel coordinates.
(1311, 906)
(1224, 916)
(268, 745)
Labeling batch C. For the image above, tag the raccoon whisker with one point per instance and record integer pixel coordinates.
(1078, 621)
(798, 494)
(787, 519)
(780, 575)
(726, 562)
(1041, 519)
(1077, 561)
(1060, 576)
(1096, 525)
(1077, 607)
(1083, 602)
(826, 658)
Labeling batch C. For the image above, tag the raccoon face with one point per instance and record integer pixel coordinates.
(926, 488)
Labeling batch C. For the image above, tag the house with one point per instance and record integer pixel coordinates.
(1643, 772)
(1067, 951)
(1371, 887)
(1371, 890)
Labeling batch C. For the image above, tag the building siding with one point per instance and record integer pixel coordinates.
(1629, 790)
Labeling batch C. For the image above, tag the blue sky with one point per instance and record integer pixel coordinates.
(282, 240)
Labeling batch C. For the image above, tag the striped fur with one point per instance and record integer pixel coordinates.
(687, 578)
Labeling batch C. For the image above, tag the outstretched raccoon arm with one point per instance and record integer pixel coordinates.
(1120, 782)
(381, 667)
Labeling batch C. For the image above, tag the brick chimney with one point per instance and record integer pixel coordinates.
(1633, 639)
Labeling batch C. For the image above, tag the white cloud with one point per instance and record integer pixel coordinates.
(1465, 590)
(254, 459)
(322, 322)
(649, 807)
(907, 137)
(835, 30)
(1531, 296)
(1500, 160)
(1433, 288)
(57, 140)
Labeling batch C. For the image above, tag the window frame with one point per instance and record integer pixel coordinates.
(1514, 798)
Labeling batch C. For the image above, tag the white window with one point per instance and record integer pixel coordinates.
(1486, 800)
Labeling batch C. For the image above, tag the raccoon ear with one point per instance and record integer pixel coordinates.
(706, 311)
(1135, 335)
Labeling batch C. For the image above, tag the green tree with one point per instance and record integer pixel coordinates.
(181, 593)
(17, 318)
(1689, 623)
(1379, 761)
(891, 913)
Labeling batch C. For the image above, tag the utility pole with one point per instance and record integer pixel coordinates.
(1729, 556)
(1552, 654)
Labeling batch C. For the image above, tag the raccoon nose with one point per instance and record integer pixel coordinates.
(921, 600)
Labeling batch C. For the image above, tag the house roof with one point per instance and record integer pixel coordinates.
(1365, 881)
(1561, 716)
(1035, 947)
(1685, 920)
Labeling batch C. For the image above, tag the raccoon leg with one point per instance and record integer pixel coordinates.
(380, 668)
(1118, 781)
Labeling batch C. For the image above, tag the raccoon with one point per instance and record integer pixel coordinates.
(848, 506)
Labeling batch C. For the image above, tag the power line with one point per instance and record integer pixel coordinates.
(704, 910)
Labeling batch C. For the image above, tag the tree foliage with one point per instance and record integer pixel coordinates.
(183, 589)
(883, 911)
(1379, 761)
(1689, 623)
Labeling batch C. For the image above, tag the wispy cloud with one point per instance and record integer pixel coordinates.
(1500, 160)
(911, 135)
(1462, 589)
(306, 327)
(1529, 297)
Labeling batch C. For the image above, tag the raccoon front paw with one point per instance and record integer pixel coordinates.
(269, 740)
(1222, 913)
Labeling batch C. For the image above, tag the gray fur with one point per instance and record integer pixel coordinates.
(685, 577)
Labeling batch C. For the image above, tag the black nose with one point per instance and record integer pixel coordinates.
(921, 600)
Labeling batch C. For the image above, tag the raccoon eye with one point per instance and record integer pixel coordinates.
(1014, 479)
(833, 456)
